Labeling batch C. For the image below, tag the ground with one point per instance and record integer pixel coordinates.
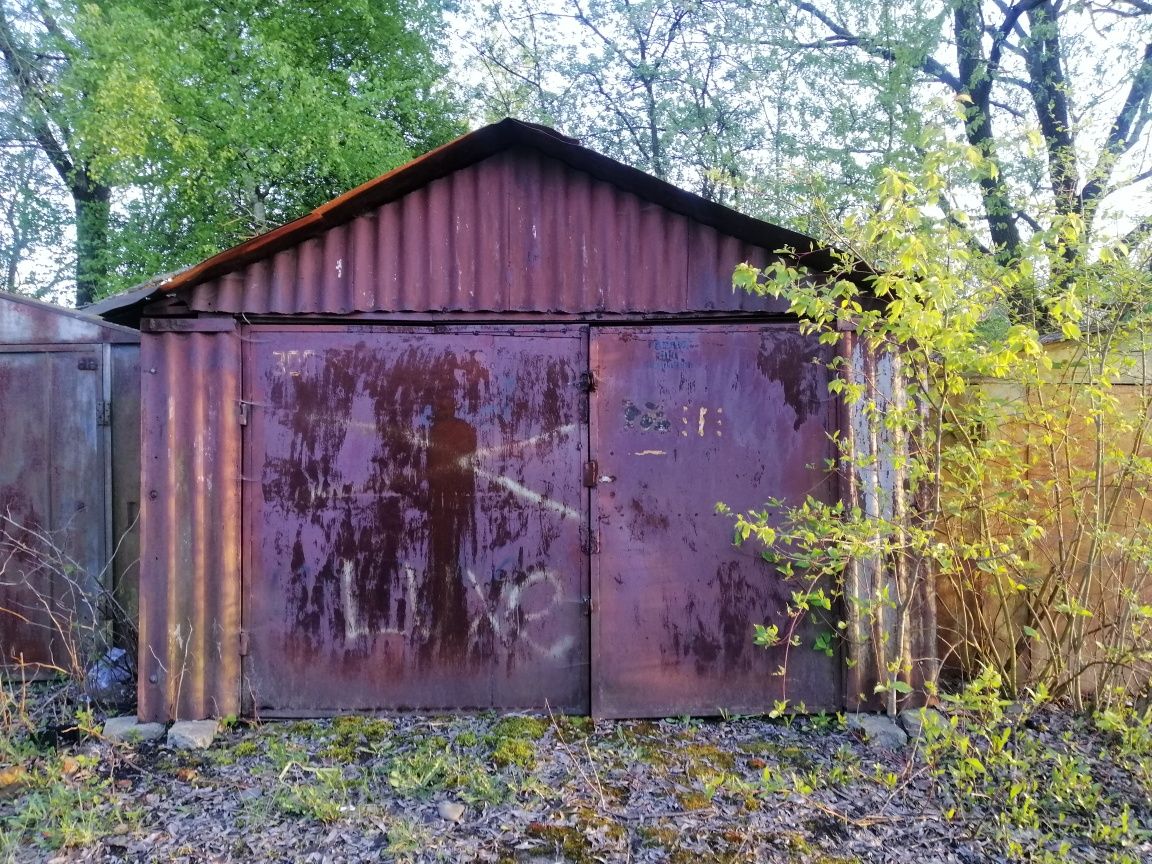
(556, 789)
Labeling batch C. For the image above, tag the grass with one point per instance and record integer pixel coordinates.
(1027, 785)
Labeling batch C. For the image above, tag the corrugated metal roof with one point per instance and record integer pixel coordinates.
(475, 147)
(511, 218)
(517, 232)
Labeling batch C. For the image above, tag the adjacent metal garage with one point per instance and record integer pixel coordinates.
(454, 441)
(69, 486)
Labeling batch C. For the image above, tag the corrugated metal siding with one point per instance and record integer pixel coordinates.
(190, 535)
(517, 232)
(870, 483)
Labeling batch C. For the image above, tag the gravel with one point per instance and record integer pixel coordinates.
(452, 789)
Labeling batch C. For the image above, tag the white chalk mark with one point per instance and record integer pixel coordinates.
(703, 416)
(350, 604)
(543, 436)
(527, 494)
(650, 453)
(509, 602)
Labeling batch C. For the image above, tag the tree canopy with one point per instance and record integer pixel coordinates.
(157, 132)
(778, 104)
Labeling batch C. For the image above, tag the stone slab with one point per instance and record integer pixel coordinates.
(128, 730)
(878, 730)
(192, 734)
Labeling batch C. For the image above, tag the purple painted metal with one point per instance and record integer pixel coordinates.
(24, 321)
(518, 232)
(55, 519)
(414, 516)
(684, 418)
(52, 540)
(190, 534)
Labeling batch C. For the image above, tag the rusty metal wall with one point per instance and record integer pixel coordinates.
(872, 483)
(24, 321)
(684, 418)
(56, 376)
(414, 519)
(125, 488)
(517, 232)
(53, 542)
(189, 663)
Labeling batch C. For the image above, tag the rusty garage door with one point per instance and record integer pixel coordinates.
(684, 418)
(425, 528)
(415, 519)
(52, 507)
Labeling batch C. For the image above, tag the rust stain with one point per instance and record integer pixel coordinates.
(798, 365)
(452, 522)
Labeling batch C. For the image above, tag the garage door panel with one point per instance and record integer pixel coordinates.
(51, 507)
(419, 521)
(684, 418)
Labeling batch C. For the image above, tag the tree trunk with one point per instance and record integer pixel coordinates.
(92, 253)
(976, 83)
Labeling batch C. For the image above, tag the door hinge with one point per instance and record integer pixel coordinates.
(243, 643)
(243, 413)
(104, 414)
(591, 470)
(88, 364)
(587, 604)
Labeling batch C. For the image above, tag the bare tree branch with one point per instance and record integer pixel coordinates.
(841, 35)
(1124, 133)
(24, 76)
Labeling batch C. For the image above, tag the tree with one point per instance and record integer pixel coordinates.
(180, 127)
(655, 84)
(814, 99)
(1054, 95)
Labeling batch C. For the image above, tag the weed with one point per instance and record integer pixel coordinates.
(407, 837)
(512, 751)
(319, 793)
(1013, 784)
(59, 811)
(434, 765)
(246, 749)
(518, 726)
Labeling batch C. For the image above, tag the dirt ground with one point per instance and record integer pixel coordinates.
(542, 789)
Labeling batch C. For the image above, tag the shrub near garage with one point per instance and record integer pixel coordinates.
(1040, 796)
(1004, 476)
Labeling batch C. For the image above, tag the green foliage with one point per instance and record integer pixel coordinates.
(319, 793)
(1038, 799)
(186, 126)
(1001, 464)
(779, 108)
